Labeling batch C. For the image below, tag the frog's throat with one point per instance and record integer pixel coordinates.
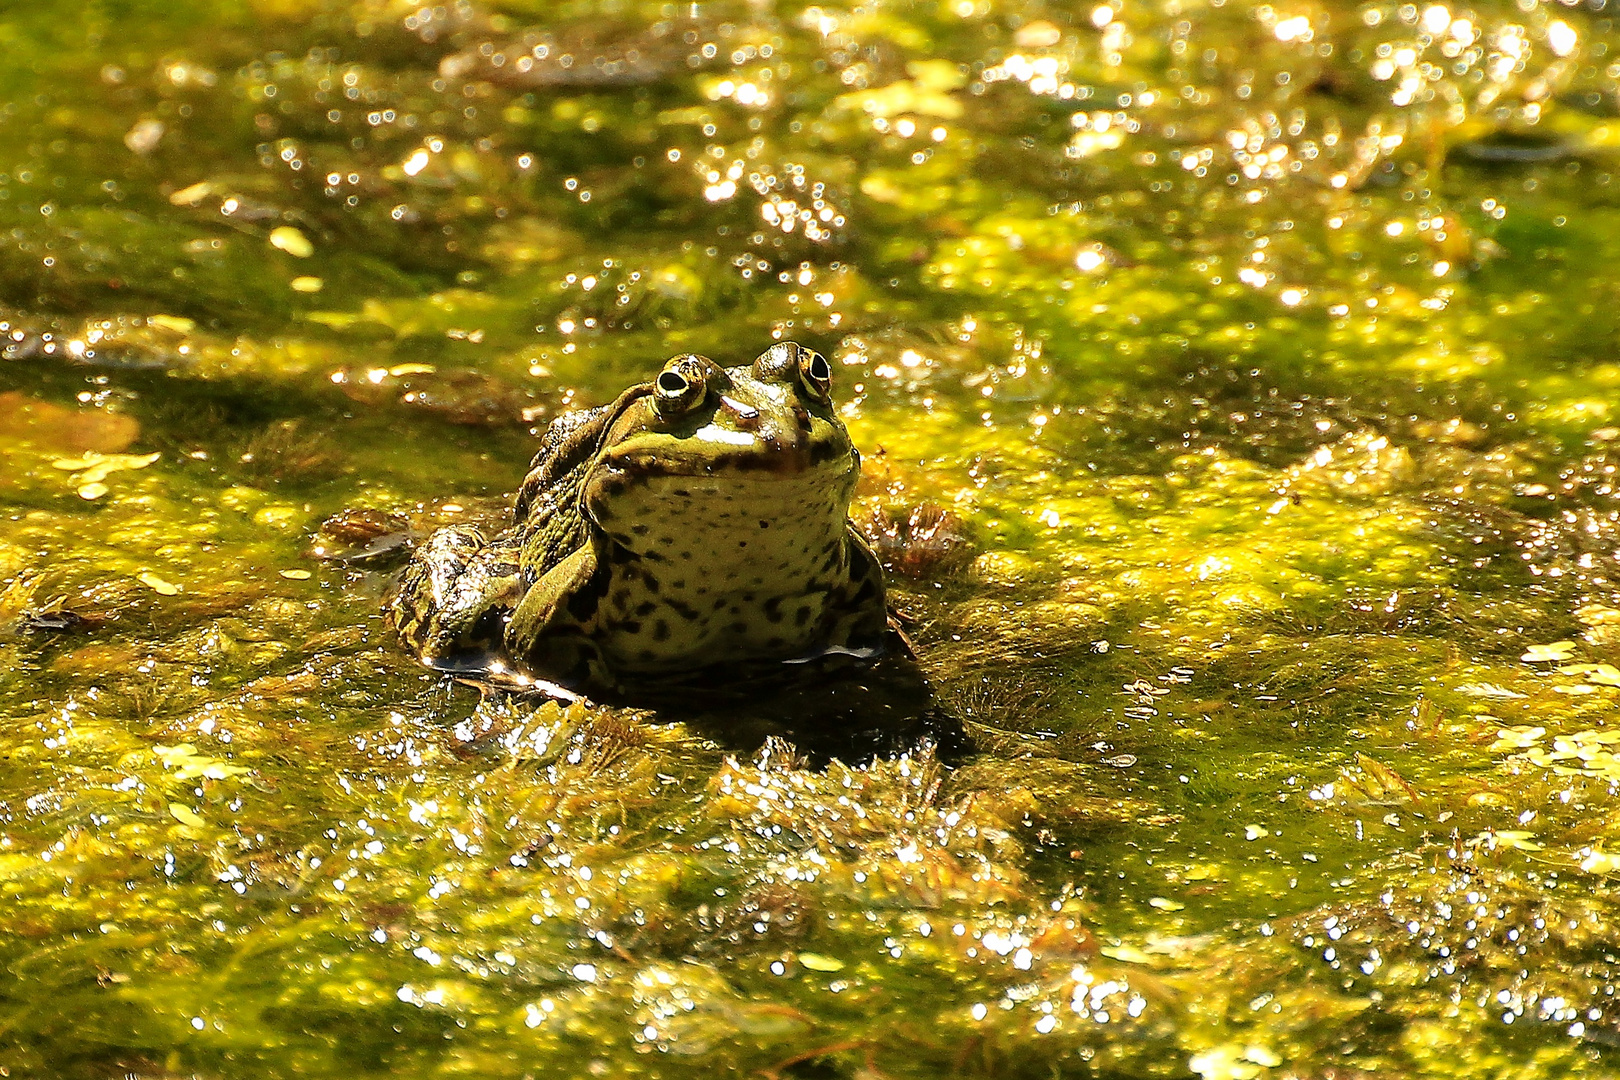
(727, 514)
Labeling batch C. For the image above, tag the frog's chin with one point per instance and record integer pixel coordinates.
(624, 484)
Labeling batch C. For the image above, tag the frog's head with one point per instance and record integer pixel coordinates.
(699, 419)
(760, 442)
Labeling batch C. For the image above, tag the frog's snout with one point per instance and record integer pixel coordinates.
(745, 415)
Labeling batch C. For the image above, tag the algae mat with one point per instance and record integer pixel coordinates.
(1238, 387)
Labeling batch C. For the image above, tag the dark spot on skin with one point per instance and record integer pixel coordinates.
(773, 609)
(639, 530)
(801, 616)
(681, 493)
(764, 524)
(633, 626)
(661, 630)
(742, 543)
(690, 614)
(645, 608)
(739, 627)
(581, 605)
(667, 541)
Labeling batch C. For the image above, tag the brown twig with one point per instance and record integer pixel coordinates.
(774, 1072)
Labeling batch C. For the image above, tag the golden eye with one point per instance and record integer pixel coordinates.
(681, 386)
(816, 373)
(779, 363)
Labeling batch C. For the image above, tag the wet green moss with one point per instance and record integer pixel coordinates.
(1251, 368)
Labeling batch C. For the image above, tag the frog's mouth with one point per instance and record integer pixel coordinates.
(636, 480)
(713, 450)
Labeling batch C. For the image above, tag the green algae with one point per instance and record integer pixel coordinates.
(1259, 359)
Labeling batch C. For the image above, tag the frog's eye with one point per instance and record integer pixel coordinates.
(681, 386)
(816, 373)
(780, 362)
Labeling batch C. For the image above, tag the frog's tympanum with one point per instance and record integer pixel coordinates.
(697, 526)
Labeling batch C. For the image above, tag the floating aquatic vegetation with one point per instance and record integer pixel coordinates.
(1238, 417)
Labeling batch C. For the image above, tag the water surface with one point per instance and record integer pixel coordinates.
(1259, 361)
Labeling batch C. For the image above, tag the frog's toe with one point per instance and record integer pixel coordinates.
(438, 601)
(452, 547)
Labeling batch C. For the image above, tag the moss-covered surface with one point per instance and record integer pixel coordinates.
(1238, 385)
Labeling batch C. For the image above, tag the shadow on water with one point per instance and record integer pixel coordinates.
(849, 711)
(837, 708)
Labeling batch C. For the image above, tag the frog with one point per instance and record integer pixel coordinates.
(693, 531)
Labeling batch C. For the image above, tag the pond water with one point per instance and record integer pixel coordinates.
(1238, 390)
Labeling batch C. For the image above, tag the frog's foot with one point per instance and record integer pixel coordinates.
(453, 598)
(497, 678)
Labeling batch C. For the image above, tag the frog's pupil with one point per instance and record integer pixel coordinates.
(672, 383)
(819, 371)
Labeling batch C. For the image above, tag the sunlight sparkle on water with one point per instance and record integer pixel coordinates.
(1144, 432)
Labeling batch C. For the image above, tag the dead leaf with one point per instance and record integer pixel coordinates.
(56, 427)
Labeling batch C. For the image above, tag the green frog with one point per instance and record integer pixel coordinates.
(694, 530)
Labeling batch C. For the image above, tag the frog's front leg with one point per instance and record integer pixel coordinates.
(549, 628)
(556, 597)
(862, 615)
(453, 598)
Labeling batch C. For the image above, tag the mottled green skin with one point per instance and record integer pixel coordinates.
(655, 540)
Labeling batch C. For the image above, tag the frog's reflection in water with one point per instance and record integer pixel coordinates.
(844, 708)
